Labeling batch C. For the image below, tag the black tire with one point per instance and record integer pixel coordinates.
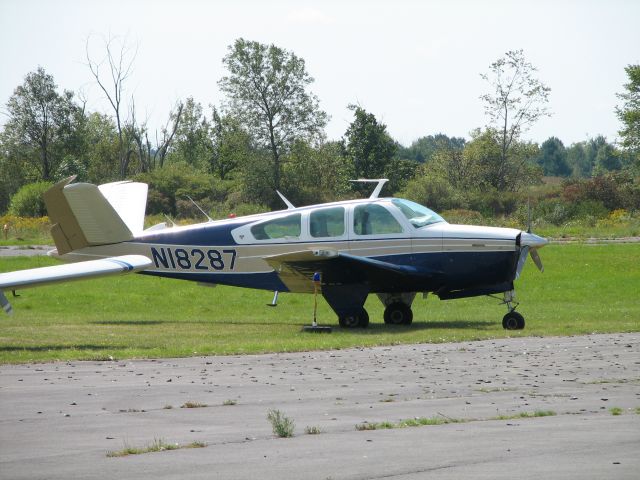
(513, 321)
(398, 313)
(360, 320)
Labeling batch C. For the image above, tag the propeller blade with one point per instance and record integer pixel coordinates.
(536, 259)
(523, 258)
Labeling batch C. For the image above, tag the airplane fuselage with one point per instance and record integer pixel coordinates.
(232, 252)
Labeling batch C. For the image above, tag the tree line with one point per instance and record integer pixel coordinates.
(268, 133)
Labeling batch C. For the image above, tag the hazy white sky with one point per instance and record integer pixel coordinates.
(414, 64)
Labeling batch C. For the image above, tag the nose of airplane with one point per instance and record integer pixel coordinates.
(532, 240)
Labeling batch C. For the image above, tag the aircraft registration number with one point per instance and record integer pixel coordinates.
(194, 258)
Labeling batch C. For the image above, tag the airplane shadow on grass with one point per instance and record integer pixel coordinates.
(45, 348)
(130, 322)
(375, 328)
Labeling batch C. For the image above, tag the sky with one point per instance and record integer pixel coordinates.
(415, 65)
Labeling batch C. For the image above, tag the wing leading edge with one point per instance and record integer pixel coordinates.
(36, 277)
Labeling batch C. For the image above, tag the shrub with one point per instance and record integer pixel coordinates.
(281, 424)
(462, 216)
(28, 201)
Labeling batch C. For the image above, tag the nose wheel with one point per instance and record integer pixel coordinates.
(512, 320)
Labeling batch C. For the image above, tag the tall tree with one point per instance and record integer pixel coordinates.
(516, 101)
(192, 143)
(553, 158)
(629, 113)
(368, 145)
(39, 120)
(423, 149)
(231, 148)
(267, 89)
(111, 73)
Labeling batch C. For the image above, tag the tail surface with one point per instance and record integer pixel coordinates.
(83, 217)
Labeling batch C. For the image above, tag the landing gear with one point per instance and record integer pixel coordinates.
(398, 313)
(359, 320)
(397, 307)
(512, 320)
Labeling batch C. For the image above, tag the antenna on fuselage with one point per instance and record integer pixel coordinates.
(173, 224)
(286, 202)
(198, 207)
(376, 191)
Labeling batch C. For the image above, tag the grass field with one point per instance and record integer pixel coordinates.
(584, 289)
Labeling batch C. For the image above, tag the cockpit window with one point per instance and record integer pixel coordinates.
(288, 226)
(418, 215)
(373, 219)
(328, 222)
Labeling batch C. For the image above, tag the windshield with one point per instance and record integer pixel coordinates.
(418, 215)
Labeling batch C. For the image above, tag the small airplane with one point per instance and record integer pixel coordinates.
(390, 247)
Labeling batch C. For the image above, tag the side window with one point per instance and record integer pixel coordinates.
(373, 219)
(278, 228)
(328, 222)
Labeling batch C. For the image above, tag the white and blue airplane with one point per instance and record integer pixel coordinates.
(390, 247)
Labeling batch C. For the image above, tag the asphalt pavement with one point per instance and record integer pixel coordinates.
(60, 420)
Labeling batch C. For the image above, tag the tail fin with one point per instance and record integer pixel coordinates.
(129, 200)
(82, 217)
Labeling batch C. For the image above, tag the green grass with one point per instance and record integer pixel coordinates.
(615, 411)
(411, 422)
(194, 405)
(158, 445)
(537, 413)
(443, 420)
(584, 289)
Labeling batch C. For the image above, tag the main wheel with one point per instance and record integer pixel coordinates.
(513, 321)
(398, 313)
(361, 320)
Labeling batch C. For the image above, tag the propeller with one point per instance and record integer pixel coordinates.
(529, 244)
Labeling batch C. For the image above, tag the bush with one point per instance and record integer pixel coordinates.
(174, 182)
(281, 424)
(28, 201)
(462, 216)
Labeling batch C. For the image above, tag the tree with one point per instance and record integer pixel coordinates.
(119, 58)
(267, 90)
(192, 143)
(316, 174)
(231, 148)
(629, 113)
(423, 149)
(368, 145)
(516, 102)
(40, 119)
(606, 159)
(151, 156)
(578, 160)
(553, 158)
(102, 149)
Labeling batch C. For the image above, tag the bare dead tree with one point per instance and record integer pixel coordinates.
(149, 157)
(110, 73)
(168, 133)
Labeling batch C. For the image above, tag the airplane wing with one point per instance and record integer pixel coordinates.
(296, 270)
(36, 277)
